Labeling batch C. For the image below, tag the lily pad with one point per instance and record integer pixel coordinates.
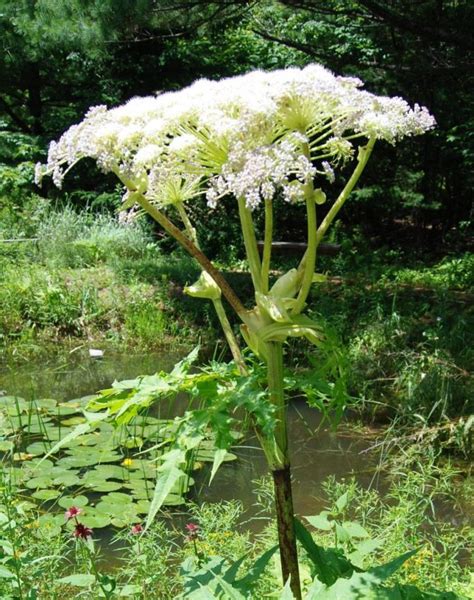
(67, 479)
(37, 483)
(47, 494)
(38, 448)
(112, 472)
(45, 404)
(15, 402)
(67, 501)
(143, 507)
(95, 520)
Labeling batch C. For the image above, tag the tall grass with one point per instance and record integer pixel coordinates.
(71, 239)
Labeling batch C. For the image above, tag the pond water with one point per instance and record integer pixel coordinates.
(316, 450)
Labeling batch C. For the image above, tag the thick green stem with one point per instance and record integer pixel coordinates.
(190, 230)
(250, 242)
(229, 336)
(310, 260)
(267, 244)
(307, 267)
(281, 472)
(364, 155)
(201, 258)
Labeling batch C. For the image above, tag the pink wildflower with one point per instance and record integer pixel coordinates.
(72, 512)
(136, 529)
(81, 531)
(193, 531)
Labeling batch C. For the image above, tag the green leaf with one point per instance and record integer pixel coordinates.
(341, 502)
(219, 457)
(6, 573)
(321, 521)
(79, 580)
(169, 475)
(203, 593)
(329, 564)
(365, 586)
(230, 592)
(342, 534)
(385, 571)
(286, 593)
(76, 432)
(128, 590)
(363, 548)
(195, 580)
(232, 571)
(355, 530)
(46, 494)
(68, 501)
(248, 581)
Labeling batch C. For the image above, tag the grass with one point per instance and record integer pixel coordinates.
(87, 277)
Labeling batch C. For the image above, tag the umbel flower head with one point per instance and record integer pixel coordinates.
(256, 136)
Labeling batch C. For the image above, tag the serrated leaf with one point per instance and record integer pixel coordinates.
(169, 475)
(385, 571)
(246, 583)
(329, 564)
(76, 432)
(230, 592)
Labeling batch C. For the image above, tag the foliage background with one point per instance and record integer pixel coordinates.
(59, 58)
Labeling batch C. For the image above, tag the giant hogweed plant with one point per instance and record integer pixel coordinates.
(261, 138)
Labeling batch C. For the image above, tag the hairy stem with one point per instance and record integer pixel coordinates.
(201, 258)
(267, 244)
(251, 247)
(230, 337)
(281, 471)
(310, 260)
(364, 155)
(286, 529)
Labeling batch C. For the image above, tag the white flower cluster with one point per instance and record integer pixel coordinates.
(258, 173)
(253, 136)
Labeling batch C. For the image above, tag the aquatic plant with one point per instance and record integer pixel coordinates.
(260, 137)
